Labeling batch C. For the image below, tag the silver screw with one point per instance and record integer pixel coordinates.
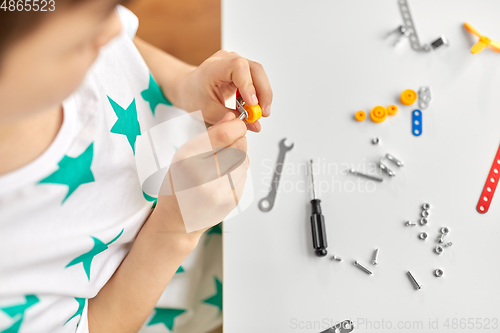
(423, 221)
(415, 283)
(438, 272)
(426, 206)
(410, 223)
(422, 236)
(445, 230)
(375, 257)
(375, 141)
(363, 268)
(425, 213)
(448, 244)
(334, 257)
(440, 238)
(439, 249)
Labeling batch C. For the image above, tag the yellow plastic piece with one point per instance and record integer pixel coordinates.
(378, 114)
(360, 115)
(392, 110)
(408, 97)
(254, 112)
(483, 41)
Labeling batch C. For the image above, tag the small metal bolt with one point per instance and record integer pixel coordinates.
(415, 283)
(440, 238)
(423, 221)
(363, 268)
(445, 230)
(375, 141)
(336, 258)
(422, 236)
(375, 257)
(425, 213)
(439, 249)
(438, 272)
(426, 206)
(410, 223)
(448, 244)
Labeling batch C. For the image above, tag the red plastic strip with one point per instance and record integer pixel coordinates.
(490, 186)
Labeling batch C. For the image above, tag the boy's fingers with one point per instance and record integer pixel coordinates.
(241, 76)
(227, 117)
(262, 86)
(224, 134)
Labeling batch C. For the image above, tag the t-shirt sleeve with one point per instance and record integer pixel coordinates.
(130, 22)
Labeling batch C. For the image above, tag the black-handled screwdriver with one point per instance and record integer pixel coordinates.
(318, 228)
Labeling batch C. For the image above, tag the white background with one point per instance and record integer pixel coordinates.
(327, 59)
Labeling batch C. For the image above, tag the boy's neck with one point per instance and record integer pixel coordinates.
(22, 141)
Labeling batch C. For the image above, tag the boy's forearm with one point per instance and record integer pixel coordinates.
(127, 299)
(166, 69)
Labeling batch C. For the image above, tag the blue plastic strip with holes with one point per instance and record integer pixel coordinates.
(416, 123)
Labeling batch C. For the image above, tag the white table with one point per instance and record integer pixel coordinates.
(327, 59)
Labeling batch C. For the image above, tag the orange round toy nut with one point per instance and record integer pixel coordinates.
(392, 110)
(360, 115)
(254, 112)
(408, 97)
(378, 114)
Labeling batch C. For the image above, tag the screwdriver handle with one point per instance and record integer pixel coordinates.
(318, 229)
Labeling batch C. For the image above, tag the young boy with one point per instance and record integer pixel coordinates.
(81, 249)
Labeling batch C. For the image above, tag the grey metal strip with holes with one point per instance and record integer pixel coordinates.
(408, 22)
(346, 326)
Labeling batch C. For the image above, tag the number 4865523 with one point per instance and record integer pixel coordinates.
(28, 5)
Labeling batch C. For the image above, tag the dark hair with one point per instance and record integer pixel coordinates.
(15, 24)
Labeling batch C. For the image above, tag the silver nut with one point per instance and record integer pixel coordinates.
(445, 230)
(426, 206)
(438, 272)
(375, 141)
(439, 249)
(422, 236)
(425, 213)
(424, 221)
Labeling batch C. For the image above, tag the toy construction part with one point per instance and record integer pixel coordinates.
(483, 41)
(424, 97)
(490, 186)
(408, 97)
(392, 110)
(360, 115)
(378, 114)
(250, 113)
(416, 123)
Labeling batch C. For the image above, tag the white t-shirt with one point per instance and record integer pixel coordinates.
(69, 218)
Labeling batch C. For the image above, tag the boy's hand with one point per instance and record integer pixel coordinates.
(209, 199)
(217, 78)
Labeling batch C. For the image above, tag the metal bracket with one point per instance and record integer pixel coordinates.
(386, 168)
(346, 326)
(410, 25)
(424, 97)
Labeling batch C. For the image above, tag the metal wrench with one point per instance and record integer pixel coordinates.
(346, 326)
(267, 203)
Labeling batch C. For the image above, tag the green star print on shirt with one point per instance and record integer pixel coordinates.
(165, 317)
(73, 171)
(217, 298)
(86, 258)
(153, 95)
(81, 306)
(127, 123)
(18, 311)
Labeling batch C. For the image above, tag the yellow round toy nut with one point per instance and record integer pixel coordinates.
(254, 113)
(392, 110)
(408, 97)
(360, 115)
(378, 114)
